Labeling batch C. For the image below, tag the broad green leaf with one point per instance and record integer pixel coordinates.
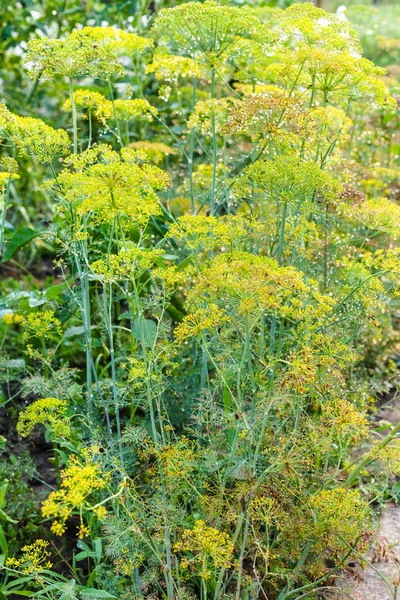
(20, 238)
(144, 330)
(5, 517)
(93, 593)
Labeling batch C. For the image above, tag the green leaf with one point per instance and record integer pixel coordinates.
(5, 517)
(93, 593)
(144, 330)
(21, 237)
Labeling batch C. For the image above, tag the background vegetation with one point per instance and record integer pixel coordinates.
(199, 298)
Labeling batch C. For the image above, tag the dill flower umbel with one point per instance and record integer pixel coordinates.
(133, 109)
(108, 185)
(209, 548)
(200, 232)
(11, 318)
(256, 284)
(92, 103)
(288, 179)
(219, 32)
(156, 151)
(170, 68)
(41, 324)
(34, 559)
(130, 262)
(46, 411)
(339, 513)
(90, 51)
(380, 214)
(33, 136)
(199, 321)
(79, 481)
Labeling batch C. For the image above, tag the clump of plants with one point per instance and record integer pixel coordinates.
(205, 361)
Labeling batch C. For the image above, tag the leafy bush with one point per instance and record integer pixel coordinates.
(198, 230)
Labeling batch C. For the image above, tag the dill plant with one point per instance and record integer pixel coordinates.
(214, 348)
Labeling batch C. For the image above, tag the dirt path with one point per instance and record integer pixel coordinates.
(381, 580)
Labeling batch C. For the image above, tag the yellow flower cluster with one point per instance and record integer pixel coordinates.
(338, 512)
(258, 284)
(46, 411)
(209, 113)
(324, 127)
(346, 420)
(220, 31)
(79, 481)
(126, 564)
(130, 262)
(307, 25)
(206, 545)
(389, 455)
(41, 325)
(263, 508)
(10, 167)
(35, 558)
(200, 232)
(93, 103)
(178, 460)
(170, 276)
(201, 320)
(156, 151)
(172, 68)
(261, 113)
(90, 51)
(288, 179)
(108, 185)
(380, 214)
(33, 136)
(133, 109)
(13, 318)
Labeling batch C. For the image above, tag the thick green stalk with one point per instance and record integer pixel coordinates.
(214, 149)
(74, 117)
(6, 197)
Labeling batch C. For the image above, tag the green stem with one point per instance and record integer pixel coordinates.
(214, 149)
(74, 117)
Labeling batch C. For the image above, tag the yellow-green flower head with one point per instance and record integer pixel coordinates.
(34, 559)
(255, 284)
(264, 114)
(326, 125)
(92, 103)
(210, 31)
(206, 544)
(134, 109)
(130, 262)
(8, 164)
(305, 24)
(6, 118)
(41, 324)
(79, 481)
(206, 112)
(339, 512)
(109, 185)
(46, 411)
(170, 68)
(156, 151)
(92, 51)
(33, 137)
(5, 178)
(338, 73)
(199, 321)
(200, 232)
(287, 179)
(380, 214)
